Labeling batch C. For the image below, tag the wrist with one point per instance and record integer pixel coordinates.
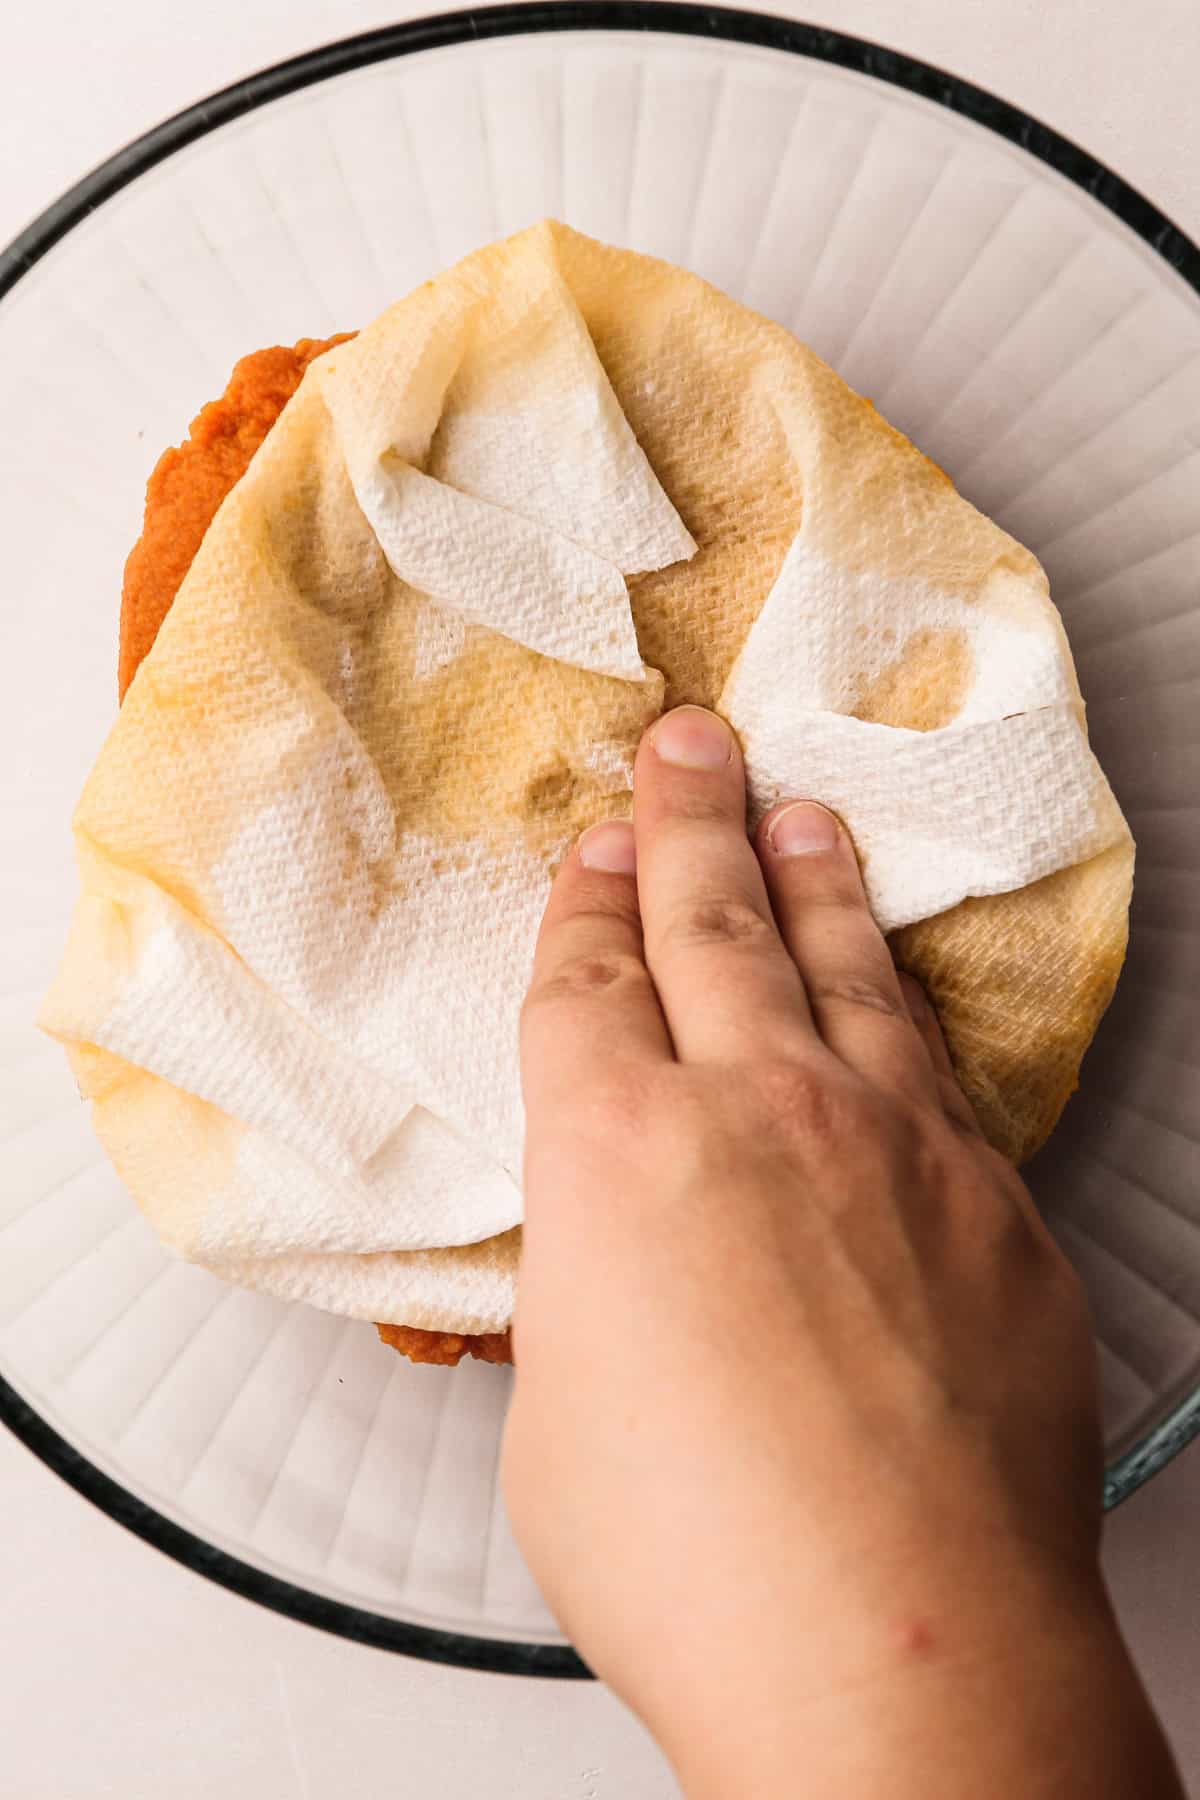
(1006, 1676)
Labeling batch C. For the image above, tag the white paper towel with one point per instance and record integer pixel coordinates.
(1005, 794)
(293, 981)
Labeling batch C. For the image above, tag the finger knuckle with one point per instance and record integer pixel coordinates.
(874, 993)
(699, 806)
(586, 975)
(793, 1097)
(716, 920)
(839, 893)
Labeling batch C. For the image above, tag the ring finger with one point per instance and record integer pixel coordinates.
(817, 895)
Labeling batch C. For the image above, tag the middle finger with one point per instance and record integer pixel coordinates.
(727, 985)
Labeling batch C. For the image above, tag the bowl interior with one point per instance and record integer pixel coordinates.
(1026, 340)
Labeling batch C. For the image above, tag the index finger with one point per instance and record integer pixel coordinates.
(591, 1003)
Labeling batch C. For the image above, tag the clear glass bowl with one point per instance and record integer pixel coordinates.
(1027, 319)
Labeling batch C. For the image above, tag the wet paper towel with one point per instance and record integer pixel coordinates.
(404, 671)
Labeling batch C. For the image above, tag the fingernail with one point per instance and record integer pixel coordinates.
(803, 829)
(693, 738)
(608, 848)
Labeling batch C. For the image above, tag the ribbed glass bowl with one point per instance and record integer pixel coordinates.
(1030, 322)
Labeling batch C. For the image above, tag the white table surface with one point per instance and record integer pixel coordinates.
(124, 1675)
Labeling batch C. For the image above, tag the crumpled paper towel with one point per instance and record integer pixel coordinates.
(404, 672)
(1007, 793)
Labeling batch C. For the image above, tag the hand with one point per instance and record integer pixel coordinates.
(805, 1446)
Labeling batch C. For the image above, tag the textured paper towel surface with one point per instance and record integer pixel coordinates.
(412, 660)
(1005, 793)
